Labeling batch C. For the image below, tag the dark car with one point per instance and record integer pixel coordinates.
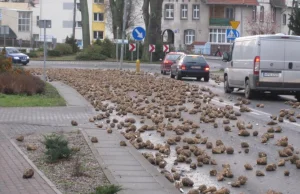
(169, 59)
(190, 66)
(16, 55)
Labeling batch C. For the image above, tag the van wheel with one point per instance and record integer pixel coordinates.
(297, 96)
(178, 77)
(164, 73)
(227, 89)
(249, 93)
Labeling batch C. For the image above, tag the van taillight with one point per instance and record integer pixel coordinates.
(183, 67)
(256, 65)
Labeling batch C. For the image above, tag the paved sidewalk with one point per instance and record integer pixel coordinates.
(12, 165)
(122, 165)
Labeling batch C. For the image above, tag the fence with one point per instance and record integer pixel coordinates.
(11, 42)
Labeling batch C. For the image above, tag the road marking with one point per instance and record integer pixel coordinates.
(254, 113)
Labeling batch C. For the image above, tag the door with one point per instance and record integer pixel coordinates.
(291, 72)
(272, 62)
(236, 66)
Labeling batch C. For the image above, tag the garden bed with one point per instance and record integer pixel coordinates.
(81, 173)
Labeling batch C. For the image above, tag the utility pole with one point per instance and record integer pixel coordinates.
(123, 33)
(74, 19)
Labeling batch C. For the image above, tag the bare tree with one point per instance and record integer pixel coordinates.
(152, 12)
(85, 23)
(114, 14)
(262, 24)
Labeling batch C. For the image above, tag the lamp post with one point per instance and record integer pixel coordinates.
(45, 24)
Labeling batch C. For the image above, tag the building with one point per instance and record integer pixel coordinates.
(191, 21)
(18, 17)
(59, 12)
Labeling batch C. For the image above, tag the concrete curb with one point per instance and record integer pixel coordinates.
(51, 185)
(107, 173)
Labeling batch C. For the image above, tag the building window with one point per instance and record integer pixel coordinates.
(254, 13)
(229, 12)
(24, 21)
(98, 1)
(184, 11)
(169, 11)
(273, 14)
(37, 20)
(284, 19)
(98, 35)
(196, 11)
(261, 14)
(78, 24)
(98, 17)
(218, 36)
(189, 36)
(78, 6)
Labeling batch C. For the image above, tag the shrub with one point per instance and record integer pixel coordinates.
(54, 53)
(91, 53)
(32, 54)
(72, 42)
(17, 82)
(107, 189)
(64, 49)
(56, 148)
(5, 64)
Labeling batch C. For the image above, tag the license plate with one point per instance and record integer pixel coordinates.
(196, 67)
(23, 60)
(271, 74)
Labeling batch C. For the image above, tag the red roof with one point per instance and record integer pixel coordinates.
(232, 2)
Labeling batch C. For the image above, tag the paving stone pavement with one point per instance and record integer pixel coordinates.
(12, 166)
(124, 166)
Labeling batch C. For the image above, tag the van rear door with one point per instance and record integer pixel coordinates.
(271, 61)
(291, 72)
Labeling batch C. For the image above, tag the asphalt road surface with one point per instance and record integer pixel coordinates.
(258, 117)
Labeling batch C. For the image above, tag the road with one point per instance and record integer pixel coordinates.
(258, 117)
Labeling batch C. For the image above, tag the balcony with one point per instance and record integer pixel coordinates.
(219, 22)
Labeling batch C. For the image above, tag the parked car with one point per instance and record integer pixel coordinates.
(264, 63)
(190, 66)
(168, 61)
(16, 55)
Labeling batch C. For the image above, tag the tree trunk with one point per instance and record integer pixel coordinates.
(85, 23)
(152, 19)
(116, 8)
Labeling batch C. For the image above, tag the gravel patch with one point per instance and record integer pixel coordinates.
(62, 173)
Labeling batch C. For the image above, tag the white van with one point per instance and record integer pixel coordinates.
(264, 63)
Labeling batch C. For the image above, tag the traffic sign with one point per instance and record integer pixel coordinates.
(234, 24)
(166, 48)
(232, 34)
(138, 33)
(151, 48)
(132, 47)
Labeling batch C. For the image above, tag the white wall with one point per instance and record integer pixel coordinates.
(53, 10)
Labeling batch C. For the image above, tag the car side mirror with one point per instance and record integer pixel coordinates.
(226, 57)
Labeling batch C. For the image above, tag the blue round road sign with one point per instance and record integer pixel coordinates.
(138, 33)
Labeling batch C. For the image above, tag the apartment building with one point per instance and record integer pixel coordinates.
(17, 16)
(23, 16)
(201, 21)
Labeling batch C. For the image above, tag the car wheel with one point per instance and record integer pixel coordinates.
(249, 93)
(206, 78)
(24, 63)
(178, 77)
(227, 89)
(161, 71)
(171, 75)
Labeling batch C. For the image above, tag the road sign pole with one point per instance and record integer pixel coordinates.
(117, 45)
(151, 57)
(123, 33)
(45, 53)
(138, 51)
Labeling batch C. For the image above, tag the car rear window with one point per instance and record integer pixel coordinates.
(172, 57)
(194, 59)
